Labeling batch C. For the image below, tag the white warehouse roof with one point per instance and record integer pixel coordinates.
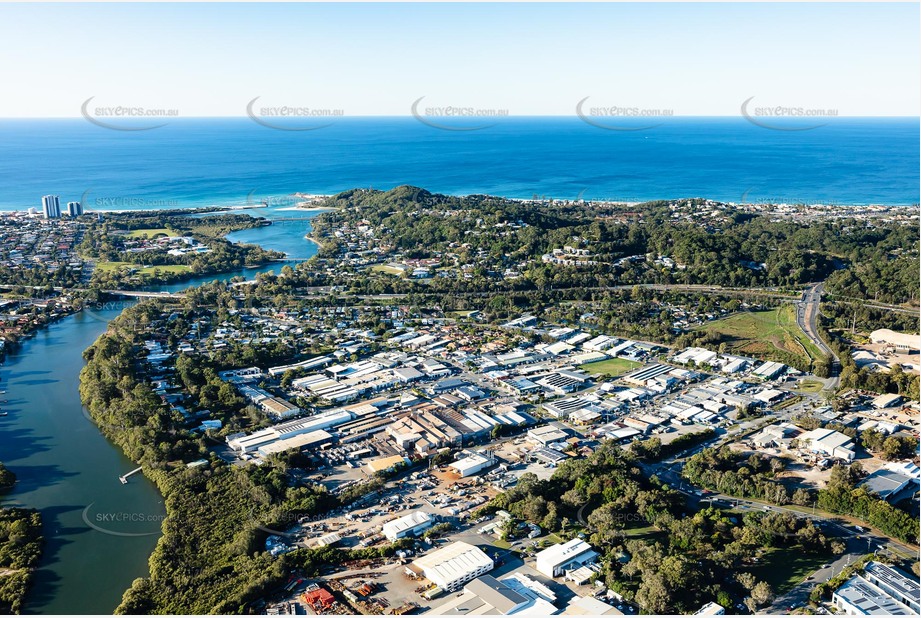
(394, 529)
(561, 554)
(454, 562)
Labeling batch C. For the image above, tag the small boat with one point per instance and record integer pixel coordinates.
(3, 413)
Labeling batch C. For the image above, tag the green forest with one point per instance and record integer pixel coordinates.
(734, 249)
(20, 548)
(754, 477)
(211, 557)
(656, 552)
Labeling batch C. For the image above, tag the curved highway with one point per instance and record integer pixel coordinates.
(807, 316)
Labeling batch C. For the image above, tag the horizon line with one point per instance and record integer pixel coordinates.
(483, 117)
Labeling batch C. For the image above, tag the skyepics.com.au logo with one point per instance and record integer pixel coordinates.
(118, 117)
(785, 117)
(456, 117)
(292, 117)
(539, 197)
(621, 117)
(101, 203)
(123, 523)
(254, 199)
(750, 197)
(106, 310)
(583, 197)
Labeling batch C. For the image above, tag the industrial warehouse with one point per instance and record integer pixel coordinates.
(441, 422)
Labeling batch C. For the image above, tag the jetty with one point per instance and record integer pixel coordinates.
(124, 478)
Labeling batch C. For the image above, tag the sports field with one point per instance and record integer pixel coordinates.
(611, 366)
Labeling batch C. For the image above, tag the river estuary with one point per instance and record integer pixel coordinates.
(99, 532)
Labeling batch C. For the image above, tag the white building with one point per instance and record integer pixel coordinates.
(895, 583)
(546, 435)
(51, 207)
(886, 483)
(473, 463)
(410, 524)
(769, 370)
(74, 209)
(590, 606)
(303, 441)
(907, 468)
(858, 597)
(887, 401)
(454, 565)
(699, 356)
(562, 557)
(828, 442)
(282, 431)
(599, 343)
(768, 395)
(278, 408)
(488, 596)
(711, 609)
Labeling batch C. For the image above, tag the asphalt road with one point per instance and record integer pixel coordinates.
(858, 543)
(807, 317)
(807, 314)
(857, 547)
(670, 473)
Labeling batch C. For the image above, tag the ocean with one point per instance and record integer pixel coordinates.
(205, 162)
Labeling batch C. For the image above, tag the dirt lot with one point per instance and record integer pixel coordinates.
(909, 362)
(799, 474)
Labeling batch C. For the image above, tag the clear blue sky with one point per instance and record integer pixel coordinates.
(210, 60)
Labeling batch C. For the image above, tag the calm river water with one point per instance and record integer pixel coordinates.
(99, 532)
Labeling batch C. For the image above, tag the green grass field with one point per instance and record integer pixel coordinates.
(151, 233)
(642, 530)
(785, 568)
(612, 366)
(142, 270)
(390, 270)
(810, 386)
(761, 333)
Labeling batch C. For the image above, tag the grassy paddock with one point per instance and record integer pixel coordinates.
(142, 270)
(810, 386)
(785, 568)
(761, 333)
(151, 233)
